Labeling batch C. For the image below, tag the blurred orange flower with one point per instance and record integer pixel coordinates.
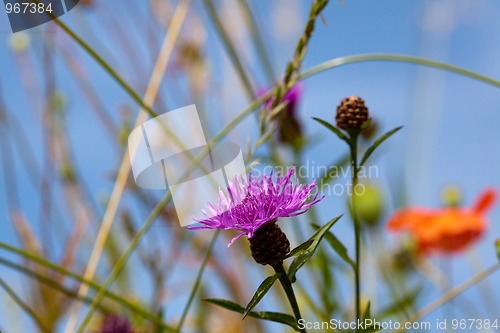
(446, 230)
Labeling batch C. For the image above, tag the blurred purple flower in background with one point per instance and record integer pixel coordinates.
(116, 324)
(290, 128)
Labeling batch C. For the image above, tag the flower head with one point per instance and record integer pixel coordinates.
(446, 230)
(292, 97)
(290, 128)
(253, 203)
(351, 114)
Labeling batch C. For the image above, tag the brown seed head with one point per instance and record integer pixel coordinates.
(351, 113)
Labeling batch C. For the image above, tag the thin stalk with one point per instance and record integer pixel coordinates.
(337, 62)
(133, 307)
(197, 282)
(353, 145)
(111, 71)
(231, 50)
(159, 208)
(24, 306)
(123, 259)
(124, 169)
(452, 293)
(258, 40)
(330, 64)
(287, 286)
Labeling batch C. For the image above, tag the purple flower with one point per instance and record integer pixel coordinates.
(292, 97)
(289, 125)
(116, 324)
(253, 203)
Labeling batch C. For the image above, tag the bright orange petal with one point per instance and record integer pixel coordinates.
(407, 219)
(485, 201)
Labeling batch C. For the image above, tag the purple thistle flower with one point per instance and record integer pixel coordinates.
(116, 324)
(253, 203)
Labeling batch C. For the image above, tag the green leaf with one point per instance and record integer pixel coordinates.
(260, 293)
(338, 247)
(338, 132)
(367, 314)
(301, 259)
(299, 249)
(277, 317)
(377, 143)
(226, 304)
(497, 246)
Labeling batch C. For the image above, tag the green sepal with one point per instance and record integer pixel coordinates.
(337, 131)
(338, 247)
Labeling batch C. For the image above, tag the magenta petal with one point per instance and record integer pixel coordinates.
(253, 202)
(235, 238)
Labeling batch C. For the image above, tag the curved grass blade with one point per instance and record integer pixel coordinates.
(377, 143)
(299, 249)
(341, 61)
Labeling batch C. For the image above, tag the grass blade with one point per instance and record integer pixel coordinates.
(377, 143)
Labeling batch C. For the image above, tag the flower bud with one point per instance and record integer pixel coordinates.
(351, 114)
(289, 126)
(370, 204)
(269, 245)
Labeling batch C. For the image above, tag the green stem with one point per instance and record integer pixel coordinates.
(231, 50)
(287, 286)
(357, 227)
(197, 282)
